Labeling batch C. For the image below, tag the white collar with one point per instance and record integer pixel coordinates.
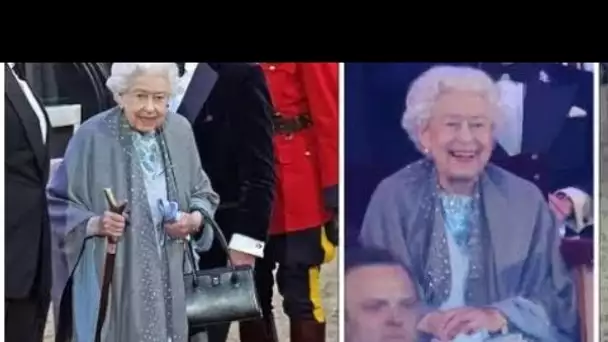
(190, 67)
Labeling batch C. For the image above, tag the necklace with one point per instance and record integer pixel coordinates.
(456, 210)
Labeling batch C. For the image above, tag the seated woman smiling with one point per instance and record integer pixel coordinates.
(480, 241)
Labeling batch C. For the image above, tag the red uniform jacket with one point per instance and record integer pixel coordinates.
(307, 161)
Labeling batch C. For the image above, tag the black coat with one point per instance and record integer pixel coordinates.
(233, 132)
(27, 263)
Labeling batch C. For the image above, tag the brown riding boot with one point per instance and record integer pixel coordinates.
(260, 330)
(307, 331)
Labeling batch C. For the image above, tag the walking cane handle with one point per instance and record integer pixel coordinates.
(115, 208)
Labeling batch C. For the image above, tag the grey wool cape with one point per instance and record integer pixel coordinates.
(147, 300)
(516, 264)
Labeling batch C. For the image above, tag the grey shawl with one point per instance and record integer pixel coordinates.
(147, 301)
(516, 264)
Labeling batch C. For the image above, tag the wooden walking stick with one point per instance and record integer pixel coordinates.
(108, 268)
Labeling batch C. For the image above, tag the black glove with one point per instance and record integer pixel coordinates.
(332, 230)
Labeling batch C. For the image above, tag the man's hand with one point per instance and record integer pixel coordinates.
(469, 320)
(240, 258)
(560, 205)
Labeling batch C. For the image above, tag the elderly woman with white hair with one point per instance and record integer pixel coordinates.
(146, 155)
(482, 242)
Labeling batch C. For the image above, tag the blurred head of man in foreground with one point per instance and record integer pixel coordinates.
(381, 300)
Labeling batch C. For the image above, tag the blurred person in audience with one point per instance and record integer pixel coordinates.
(546, 135)
(481, 242)
(230, 109)
(146, 155)
(381, 299)
(27, 267)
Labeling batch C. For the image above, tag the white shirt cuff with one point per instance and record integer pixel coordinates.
(582, 207)
(248, 245)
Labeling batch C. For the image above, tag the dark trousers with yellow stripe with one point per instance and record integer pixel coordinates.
(298, 257)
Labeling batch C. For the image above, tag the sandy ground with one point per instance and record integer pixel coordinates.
(330, 297)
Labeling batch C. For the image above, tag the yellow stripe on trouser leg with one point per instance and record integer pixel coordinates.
(314, 286)
(329, 250)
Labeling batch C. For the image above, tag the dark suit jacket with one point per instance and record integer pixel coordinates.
(557, 150)
(69, 83)
(234, 136)
(27, 232)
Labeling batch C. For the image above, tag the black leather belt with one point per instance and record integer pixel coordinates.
(290, 125)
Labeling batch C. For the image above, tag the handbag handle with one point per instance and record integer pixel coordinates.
(220, 236)
(217, 231)
(206, 218)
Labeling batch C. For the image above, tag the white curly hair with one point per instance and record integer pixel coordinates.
(426, 89)
(122, 75)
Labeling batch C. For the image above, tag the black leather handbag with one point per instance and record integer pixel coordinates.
(220, 295)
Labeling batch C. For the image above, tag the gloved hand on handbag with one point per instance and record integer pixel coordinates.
(179, 224)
